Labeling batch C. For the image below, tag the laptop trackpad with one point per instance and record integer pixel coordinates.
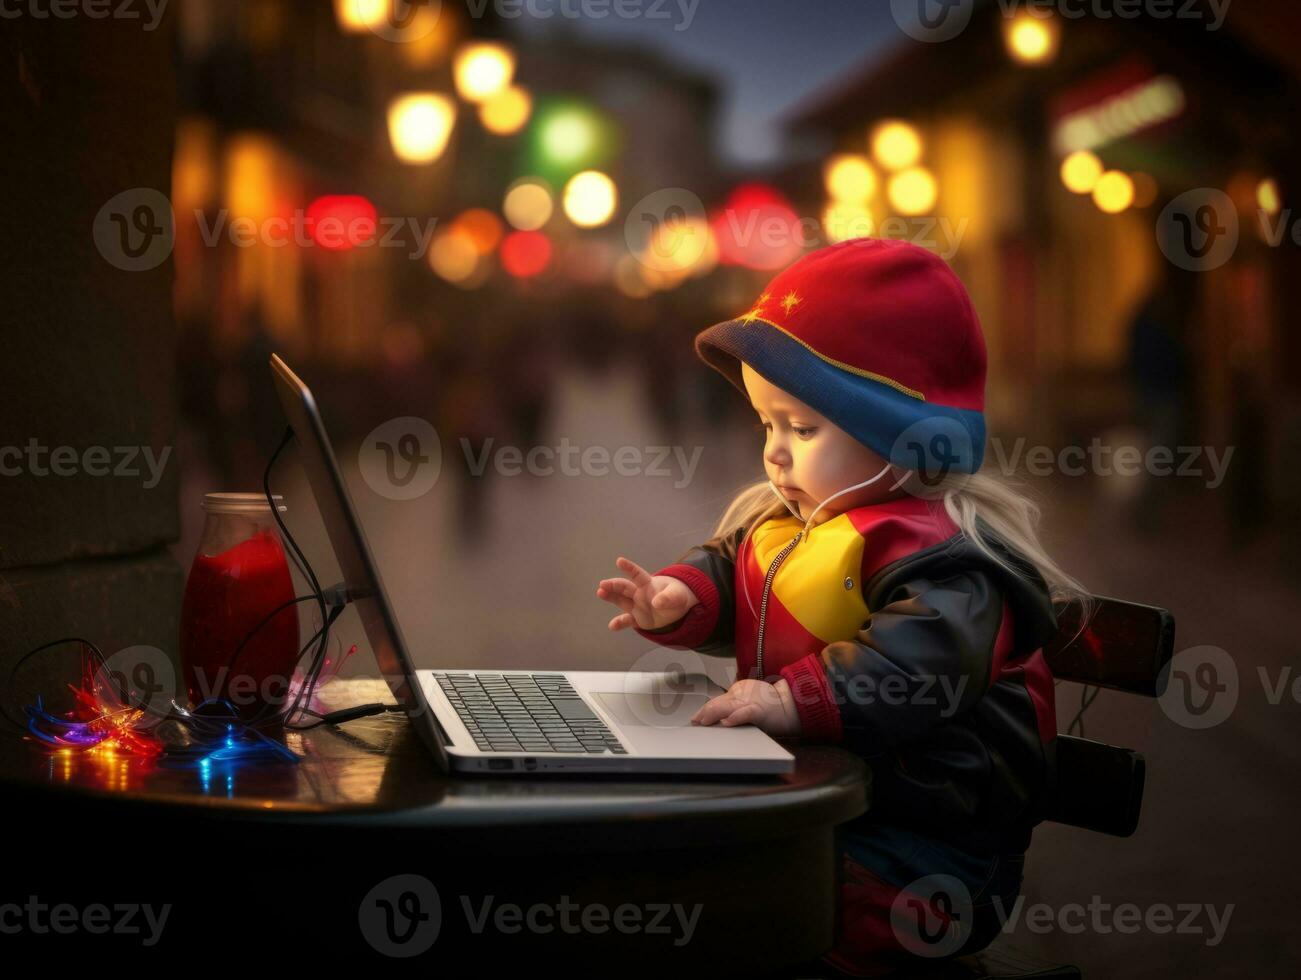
(661, 709)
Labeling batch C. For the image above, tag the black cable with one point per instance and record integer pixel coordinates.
(1087, 696)
(230, 667)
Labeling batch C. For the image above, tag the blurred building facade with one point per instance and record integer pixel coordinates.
(1069, 283)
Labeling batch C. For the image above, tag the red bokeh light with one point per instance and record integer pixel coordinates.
(525, 253)
(757, 228)
(339, 222)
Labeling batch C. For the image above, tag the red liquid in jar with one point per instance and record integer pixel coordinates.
(226, 596)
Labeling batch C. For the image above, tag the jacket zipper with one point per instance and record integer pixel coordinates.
(767, 588)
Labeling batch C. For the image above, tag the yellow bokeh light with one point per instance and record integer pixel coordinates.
(528, 205)
(482, 69)
(841, 222)
(359, 16)
(896, 145)
(507, 111)
(1114, 192)
(687, 245)
(850, 178)
(590, 199)
(1080, 172)
(453, 256)
(1267, 196)
(1032, 38)
(250, 179)
(419, 125)
(913, 192)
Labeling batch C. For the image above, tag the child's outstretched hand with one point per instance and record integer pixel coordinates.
(648, 601)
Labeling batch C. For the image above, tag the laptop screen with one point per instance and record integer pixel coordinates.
(352, 551)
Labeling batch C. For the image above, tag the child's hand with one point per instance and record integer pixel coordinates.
(648, 601)
(770, 707)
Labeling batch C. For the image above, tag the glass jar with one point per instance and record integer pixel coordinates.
(234, 643)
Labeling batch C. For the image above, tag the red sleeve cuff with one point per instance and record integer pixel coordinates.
(693, 629)
(819, 713)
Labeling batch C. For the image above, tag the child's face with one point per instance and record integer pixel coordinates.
(809, 457)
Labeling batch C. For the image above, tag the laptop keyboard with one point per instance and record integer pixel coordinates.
(526, 713)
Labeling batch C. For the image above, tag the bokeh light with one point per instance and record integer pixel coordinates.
(528, 204)
(481, 228)
(507, 111)
(1032, 37)
(896, 145)
(841, 222)
(482, 69)
(525, 254)
(453, 256)
(569, 137)
(850, 178)
(420, 124)
(913, 192)
(590, 199)
(360, 16)
(339, 222)
(1114, 192)
(1267, 196)
(1080, 172)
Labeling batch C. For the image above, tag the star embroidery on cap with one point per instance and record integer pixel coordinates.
(754, 314)
(791, 301)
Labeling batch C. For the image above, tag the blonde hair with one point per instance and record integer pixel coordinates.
(976, 502)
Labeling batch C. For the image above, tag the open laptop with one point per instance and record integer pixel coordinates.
(511, 720)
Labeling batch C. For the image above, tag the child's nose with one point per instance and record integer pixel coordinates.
(776, 454)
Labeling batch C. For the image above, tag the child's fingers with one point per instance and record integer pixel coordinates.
(747, 714)
(640, 577)
(621, 622)
(714, 709)
(617, 586)
(615, 598)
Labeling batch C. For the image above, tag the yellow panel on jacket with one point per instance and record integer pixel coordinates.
(818, 582)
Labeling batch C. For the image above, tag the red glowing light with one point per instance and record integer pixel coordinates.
(525, 253)
(757, 228)
(339, 222)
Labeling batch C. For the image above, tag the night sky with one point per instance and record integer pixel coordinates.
(770, 55)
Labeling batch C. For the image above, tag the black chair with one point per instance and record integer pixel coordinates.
(1099, 787)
